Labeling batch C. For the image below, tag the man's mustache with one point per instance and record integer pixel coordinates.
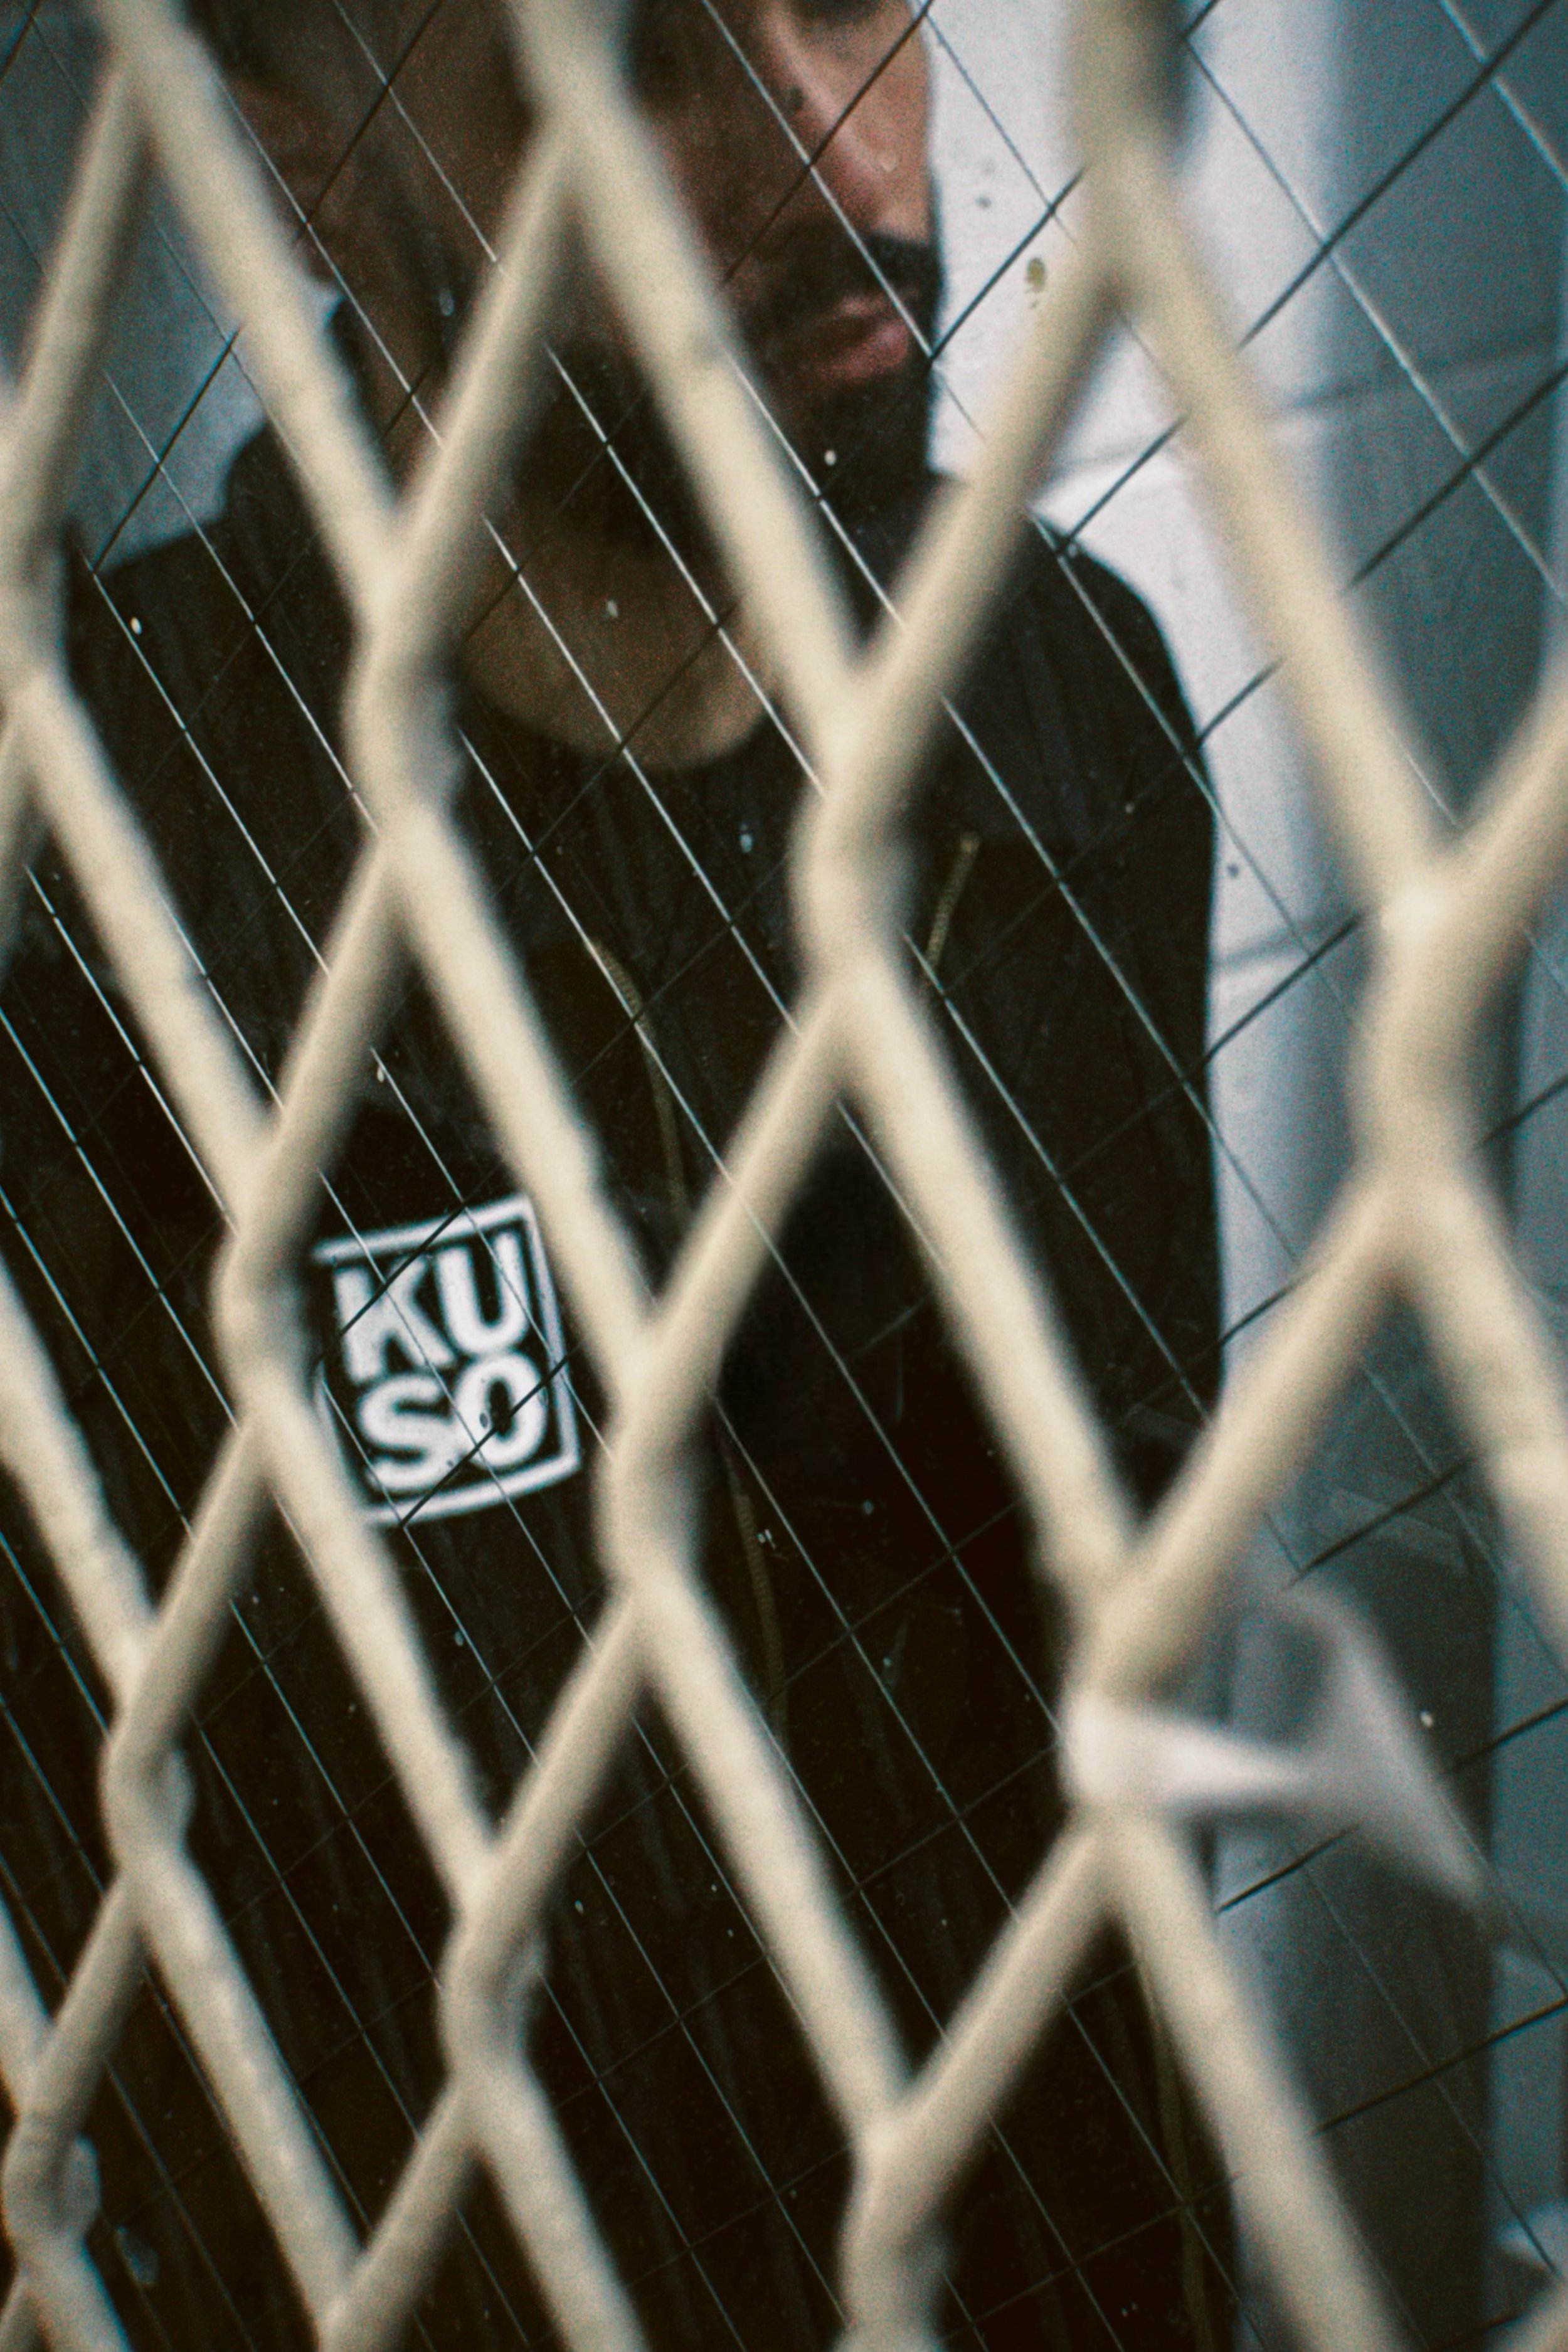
(820, 267)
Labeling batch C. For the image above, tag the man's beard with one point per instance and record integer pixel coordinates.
(604, 457)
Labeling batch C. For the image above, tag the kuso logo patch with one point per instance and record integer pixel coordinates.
(442, 1373)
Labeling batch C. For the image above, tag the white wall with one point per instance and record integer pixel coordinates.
(1434, 317)
(177, 403)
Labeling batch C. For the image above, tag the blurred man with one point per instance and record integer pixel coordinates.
(631, 792)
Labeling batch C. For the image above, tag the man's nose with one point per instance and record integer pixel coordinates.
(842, 139)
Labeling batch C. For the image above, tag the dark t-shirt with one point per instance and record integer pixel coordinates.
(861, 1537)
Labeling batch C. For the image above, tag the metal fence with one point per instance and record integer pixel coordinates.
(1415, 1222)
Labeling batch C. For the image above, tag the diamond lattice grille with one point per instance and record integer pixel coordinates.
(1414, 1223)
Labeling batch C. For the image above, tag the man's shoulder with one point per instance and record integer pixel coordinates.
(175, 620)
(1069, 709)
(213, 670)
(1051, 562)
(221, 654)
(1057, 602)
(1070, 606)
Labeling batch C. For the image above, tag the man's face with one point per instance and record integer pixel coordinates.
(795, 134)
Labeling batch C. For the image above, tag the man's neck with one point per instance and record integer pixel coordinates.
(600, 639)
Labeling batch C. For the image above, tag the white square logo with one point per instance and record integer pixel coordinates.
(442, 1374)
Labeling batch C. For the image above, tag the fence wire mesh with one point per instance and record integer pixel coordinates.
(646, 1673)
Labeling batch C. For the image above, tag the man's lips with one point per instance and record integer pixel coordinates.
(851, 341)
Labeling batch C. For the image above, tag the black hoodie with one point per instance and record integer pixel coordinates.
(862, 1535)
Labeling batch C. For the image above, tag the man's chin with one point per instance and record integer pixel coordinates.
(867, 446)
(602, 463)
